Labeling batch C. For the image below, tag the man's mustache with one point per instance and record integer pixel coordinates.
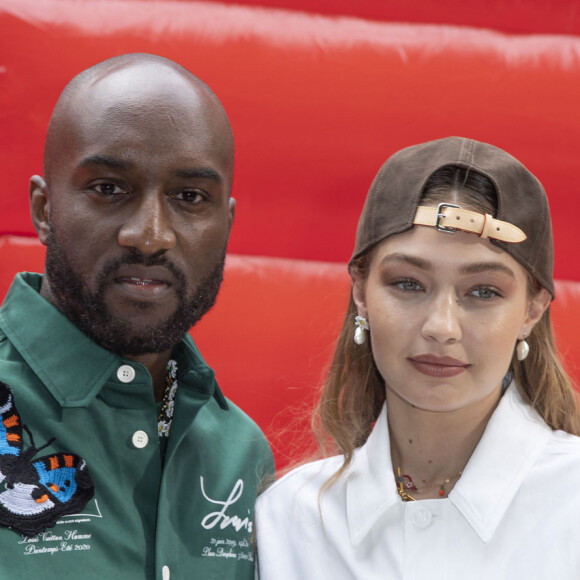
(137, 258)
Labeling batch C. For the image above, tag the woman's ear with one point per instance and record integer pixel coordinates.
(40, 207)
(536, 308)
(359, 296)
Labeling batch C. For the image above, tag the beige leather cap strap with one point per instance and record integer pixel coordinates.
(450, 218)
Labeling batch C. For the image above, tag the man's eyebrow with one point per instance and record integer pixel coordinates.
(106, 161)
(120, 164)
(199, 173)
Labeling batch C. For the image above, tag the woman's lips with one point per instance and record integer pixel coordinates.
(434, 366)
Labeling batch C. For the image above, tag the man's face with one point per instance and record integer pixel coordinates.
(139, 213)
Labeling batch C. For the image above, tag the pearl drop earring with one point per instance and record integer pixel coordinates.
(361, 326)
(522, 348)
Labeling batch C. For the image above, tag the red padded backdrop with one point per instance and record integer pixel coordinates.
(317, 103)
(319, 94)
(532, 16)
(272, 332)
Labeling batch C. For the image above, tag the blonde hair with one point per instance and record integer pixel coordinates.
(354, 391)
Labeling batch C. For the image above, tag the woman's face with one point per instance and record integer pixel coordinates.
(445, 311)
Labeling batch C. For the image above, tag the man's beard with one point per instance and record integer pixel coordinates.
(90, 313)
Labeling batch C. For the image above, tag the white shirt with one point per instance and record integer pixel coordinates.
(514, 513)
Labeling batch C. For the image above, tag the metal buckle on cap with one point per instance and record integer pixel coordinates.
(441, 215)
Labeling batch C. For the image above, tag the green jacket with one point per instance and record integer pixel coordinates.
(188, 514)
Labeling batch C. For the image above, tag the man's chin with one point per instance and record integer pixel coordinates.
(130, 338)
(142, 320)
(143, 311)
(120, 324)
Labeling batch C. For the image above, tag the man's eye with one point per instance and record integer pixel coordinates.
(191, 196)
(108, 189)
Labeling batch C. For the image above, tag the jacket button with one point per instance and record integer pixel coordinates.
(421, 518)
(165, 573)
(125, 373)
(140, 439)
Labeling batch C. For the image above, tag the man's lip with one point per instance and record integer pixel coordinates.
(144, 283)
(143, 275)
(438, 366)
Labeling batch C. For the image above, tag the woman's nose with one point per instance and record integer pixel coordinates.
(443, 319)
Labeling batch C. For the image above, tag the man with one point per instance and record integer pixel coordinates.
(146, 471)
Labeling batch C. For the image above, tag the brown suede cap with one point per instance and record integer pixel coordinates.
(396, 193)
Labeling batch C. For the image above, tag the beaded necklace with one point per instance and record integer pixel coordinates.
(404, 482)
(167, 408)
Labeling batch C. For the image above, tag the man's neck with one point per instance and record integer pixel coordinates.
(156, 364)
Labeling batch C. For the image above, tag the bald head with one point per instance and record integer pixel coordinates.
(135, 206)
(136, 85)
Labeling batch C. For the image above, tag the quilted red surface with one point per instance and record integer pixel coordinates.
(317, 103)
(272, 332)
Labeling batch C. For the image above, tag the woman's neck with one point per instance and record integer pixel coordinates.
(433, 447)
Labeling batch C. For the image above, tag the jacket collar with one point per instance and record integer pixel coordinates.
(74, 368)
(512, 442)
(370, 487)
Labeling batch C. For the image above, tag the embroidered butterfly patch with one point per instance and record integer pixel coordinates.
(36, 492)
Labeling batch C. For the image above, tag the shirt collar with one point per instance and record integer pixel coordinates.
(370, 487)
(74, 368)
(194, 373)
(512, 442)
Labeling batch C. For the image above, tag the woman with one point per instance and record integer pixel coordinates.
(455, 425)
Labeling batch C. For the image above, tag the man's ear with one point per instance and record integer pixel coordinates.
(40, 207)
(232, 210)
(359, 296)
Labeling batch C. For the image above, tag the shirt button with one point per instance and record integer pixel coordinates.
(421, 518)
(140, 439)
(165, 573)
(125, 373)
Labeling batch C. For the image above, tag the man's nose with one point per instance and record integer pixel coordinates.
(148, 229)
(443, 319)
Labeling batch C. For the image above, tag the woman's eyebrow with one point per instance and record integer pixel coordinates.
(405, 258)
(474, 268)
(486, 267)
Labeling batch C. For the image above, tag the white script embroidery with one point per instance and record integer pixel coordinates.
(219, 517)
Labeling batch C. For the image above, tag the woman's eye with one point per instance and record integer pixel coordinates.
(408, 285)
(108, 189)
(485, 293)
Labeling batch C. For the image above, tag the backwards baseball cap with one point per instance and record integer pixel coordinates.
(521, 226)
